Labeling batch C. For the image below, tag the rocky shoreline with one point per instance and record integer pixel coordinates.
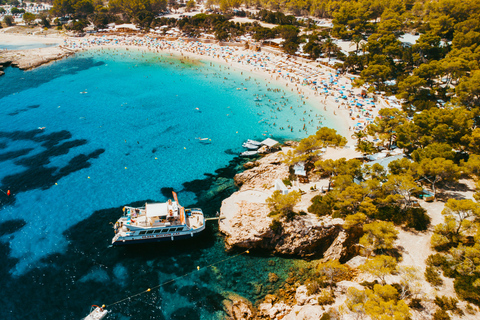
(247, 225)
(32, 58)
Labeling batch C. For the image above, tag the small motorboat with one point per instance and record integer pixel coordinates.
(248, 153)
(250, 146)
(204, 140)
(254, 142)
(96, 313)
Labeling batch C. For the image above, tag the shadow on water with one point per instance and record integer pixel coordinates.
(15, 80)
(18, 111)
(37, 174)
(214, 188)
(91, 272)
(117, 272)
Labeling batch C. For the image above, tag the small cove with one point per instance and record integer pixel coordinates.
(120, 127)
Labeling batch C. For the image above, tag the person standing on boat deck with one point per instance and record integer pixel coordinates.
(170, 209)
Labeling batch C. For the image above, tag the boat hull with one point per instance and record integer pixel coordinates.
(156, 238)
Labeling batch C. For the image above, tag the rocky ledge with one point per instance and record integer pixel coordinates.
(32, 58)
(247, 224)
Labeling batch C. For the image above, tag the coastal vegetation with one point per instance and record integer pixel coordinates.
(373, 199)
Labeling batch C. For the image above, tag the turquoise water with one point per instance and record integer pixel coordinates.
(82, 137)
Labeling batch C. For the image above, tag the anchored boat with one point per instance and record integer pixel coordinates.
(252, 144)
(158, 222)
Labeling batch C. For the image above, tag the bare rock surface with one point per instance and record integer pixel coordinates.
(275, 311)
(307, 312)
(32, 58)
(266, 171)
(306, 307)
(238, 308)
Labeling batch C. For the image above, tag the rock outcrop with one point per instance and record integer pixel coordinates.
(247, 223)
(238, 308)
(32, 58)
(306, 307)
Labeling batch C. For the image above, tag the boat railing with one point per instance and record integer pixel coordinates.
(134, 211)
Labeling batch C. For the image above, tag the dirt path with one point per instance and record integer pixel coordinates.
(415, 246)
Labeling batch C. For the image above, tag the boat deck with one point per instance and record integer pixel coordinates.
(138, 221)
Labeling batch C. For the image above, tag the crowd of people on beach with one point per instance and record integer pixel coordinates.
(335, 90)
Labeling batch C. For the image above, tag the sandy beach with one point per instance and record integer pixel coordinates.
(35, 49)
(15, 39)
(12, 36)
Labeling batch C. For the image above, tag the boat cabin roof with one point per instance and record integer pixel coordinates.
(160, 209)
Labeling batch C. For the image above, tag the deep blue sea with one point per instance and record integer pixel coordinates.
(84, 136)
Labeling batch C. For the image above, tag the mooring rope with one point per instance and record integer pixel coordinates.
(173, 280)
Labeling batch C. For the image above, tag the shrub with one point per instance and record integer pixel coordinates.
(436, 260)
(282, 204)
(469, 309)
(448, 303)
(276, 226)
(287, 182)
(325, 316)
(416, 304)
(313, 287)
(337, 215)
(417, 219)
(432, 276)
(325, 297)
(8, 20)
(466, 290)
(322, 205)
(441, 315)
(369, 284)
(387, 213)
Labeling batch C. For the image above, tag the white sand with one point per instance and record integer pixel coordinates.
(19, 39)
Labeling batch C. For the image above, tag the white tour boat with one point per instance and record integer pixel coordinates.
(158, 222)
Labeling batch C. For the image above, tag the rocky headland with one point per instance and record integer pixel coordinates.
(32, 58)
(247, 223)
